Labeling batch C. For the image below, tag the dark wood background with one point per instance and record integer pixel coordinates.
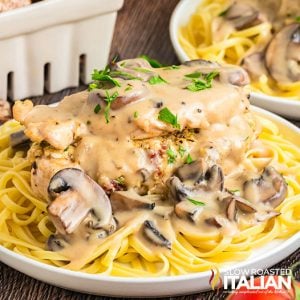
(142, 28)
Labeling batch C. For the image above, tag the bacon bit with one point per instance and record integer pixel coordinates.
(152, 154)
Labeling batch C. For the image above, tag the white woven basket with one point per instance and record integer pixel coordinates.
(51, 44)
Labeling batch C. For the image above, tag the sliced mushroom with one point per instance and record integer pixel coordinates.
(191, 171)
(153, 235)
(133, 68)
(227, 74)
(128, 200)
(270, 188)
(186, 209)
(241, 15)
(56, 242)
(254, 64)
(235, 203)
(234, 75)
(244, 205)
(74, 195)
(231, 210)
(283, 54)
(217, 221)
(177, 190)
(213, 179)
(129, 97)
(270, 8)
(201, 63)
(19, 139)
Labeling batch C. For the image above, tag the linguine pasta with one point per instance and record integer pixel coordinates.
(25, 227)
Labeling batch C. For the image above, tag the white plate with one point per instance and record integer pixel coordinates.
(261, 258)
(183, 11)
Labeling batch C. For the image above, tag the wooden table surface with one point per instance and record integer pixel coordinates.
(142, 28)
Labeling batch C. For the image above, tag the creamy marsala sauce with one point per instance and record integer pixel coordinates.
(167, 156)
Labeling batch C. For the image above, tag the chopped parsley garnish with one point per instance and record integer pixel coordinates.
(173, 67)
(153, 62)
(120, 180)
(101, 77)
(197, 85)
(109, 99)
(167, 116)
(181, 150)
(196, 202)
(156, 80)
(92, 86)
(297, 19)
(135, 114)
(97, 109)
(210, 76)
(189, 159)
(202, 84)
(193, 75)
(171, 156)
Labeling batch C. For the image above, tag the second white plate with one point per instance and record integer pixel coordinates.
(184, 9)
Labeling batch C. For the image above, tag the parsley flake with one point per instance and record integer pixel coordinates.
(109, 99)
(97, 109)
(101, 77)
(196, 202)
(202, 84)
(167, 116)
(120, 180)
(135, 114)
(156, 80)
(171, 156)
(189, 159)
(193, 75)
(153, 62)
(297, 19)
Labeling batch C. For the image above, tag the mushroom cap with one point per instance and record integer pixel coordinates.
(254, 64)
(270, 188)
(74, 195)
(154, 236)
(283, 54)
(241, 15)
(234, 75)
